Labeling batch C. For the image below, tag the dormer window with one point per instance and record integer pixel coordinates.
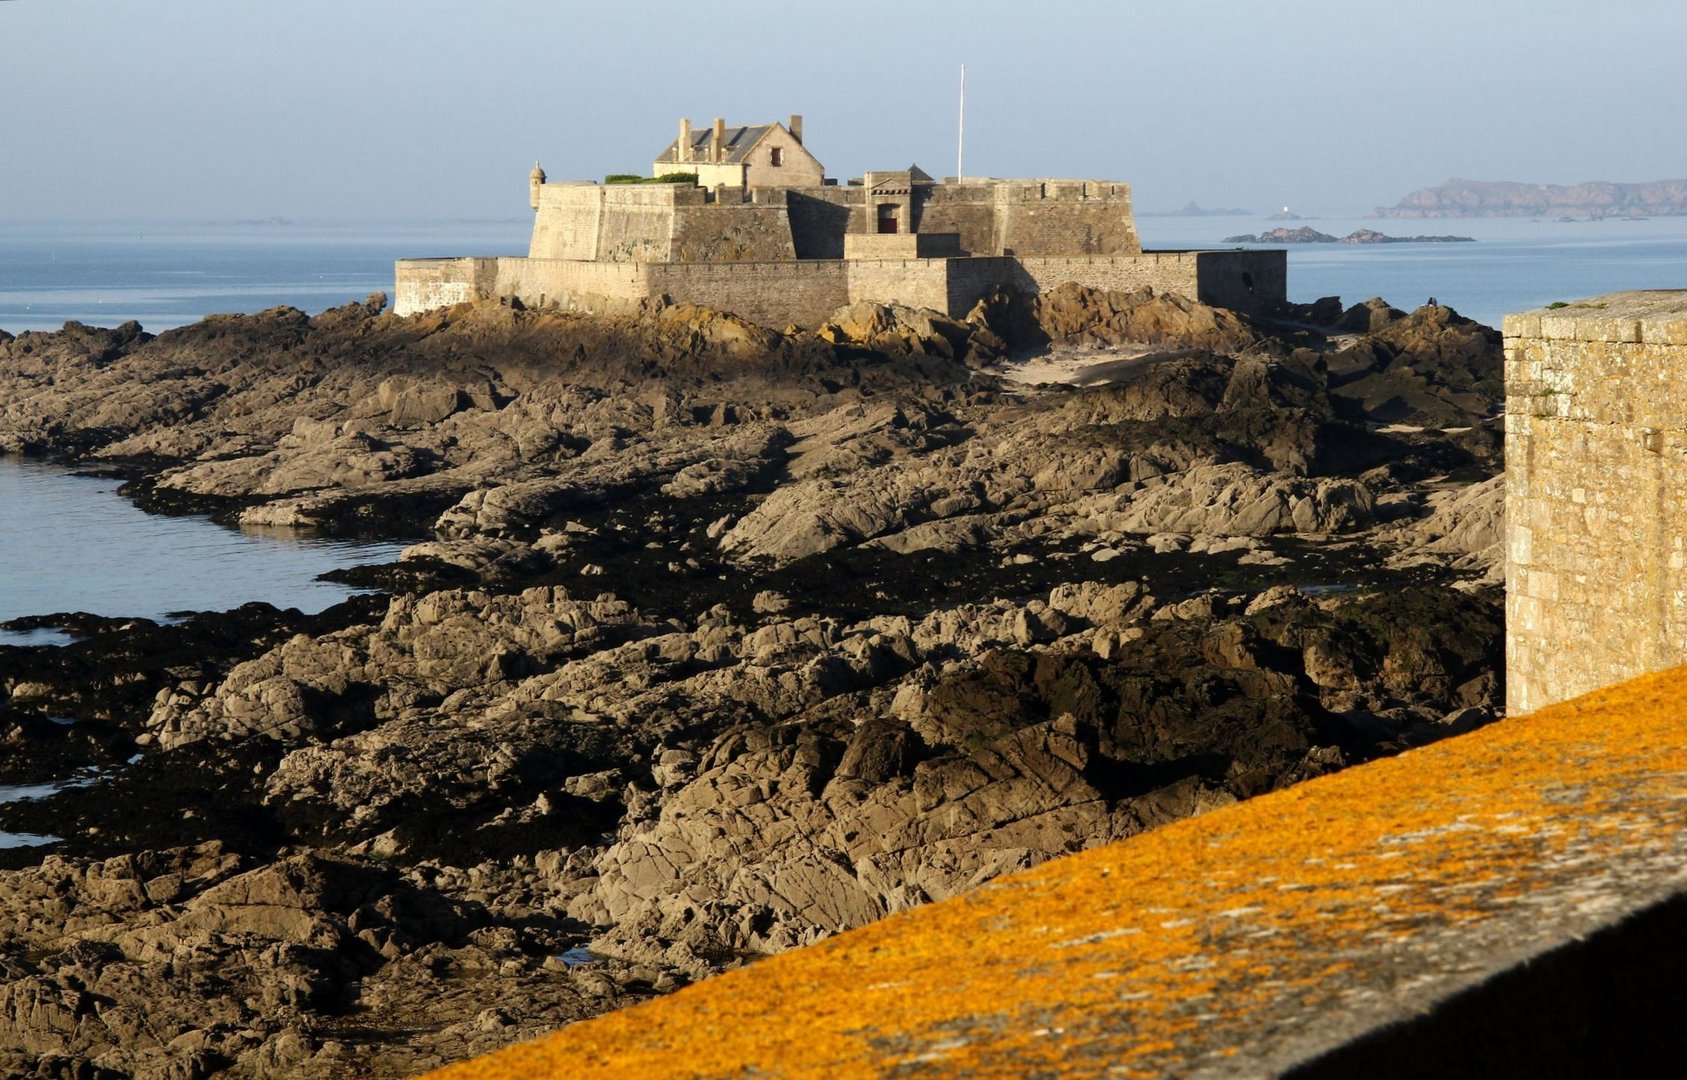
(776, 156)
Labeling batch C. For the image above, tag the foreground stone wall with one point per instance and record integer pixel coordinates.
(1596, 474)
(1509, 903)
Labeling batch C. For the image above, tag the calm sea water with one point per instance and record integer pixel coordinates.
(167, 274)
(71, 543)
(171, 273)
(1514, 265)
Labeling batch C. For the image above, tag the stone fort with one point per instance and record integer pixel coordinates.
(748, 222)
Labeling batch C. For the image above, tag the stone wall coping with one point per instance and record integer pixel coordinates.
(1653, 316)
(1238, 943)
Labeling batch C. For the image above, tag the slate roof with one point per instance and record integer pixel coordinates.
(739, 142)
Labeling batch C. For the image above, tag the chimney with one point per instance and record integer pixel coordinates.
(682, 152)
(796, 127)
(717, 142)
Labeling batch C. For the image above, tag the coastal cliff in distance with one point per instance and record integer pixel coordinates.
(1505, 198)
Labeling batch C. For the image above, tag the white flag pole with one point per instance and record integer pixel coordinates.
(961, 134)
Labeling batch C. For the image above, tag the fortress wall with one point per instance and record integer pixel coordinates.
(611, 222)
(1064, 217)
(1171, 271)
(914, 282)
(820, 217)
(571, 285)
(638, 222)
(752, 232)
(771, 293)
(1241, 280)
(968, 210)
(566, 224)
(1596, 478)
(425, 284)
(969, 280)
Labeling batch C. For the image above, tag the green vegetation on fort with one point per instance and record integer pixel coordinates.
(665, 178)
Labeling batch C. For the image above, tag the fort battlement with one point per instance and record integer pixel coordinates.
(761, 232)
(1596, 478)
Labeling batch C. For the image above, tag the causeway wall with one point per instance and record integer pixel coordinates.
(806, 291)
(1596, 478)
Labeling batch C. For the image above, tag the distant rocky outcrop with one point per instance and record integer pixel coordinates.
(1505, 198)
(1308, 235)
(711, 641)
(1371, 236)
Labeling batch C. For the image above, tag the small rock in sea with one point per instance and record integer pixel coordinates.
(768, 602)
(591, 569)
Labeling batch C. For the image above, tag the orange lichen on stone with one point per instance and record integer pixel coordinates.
(1269, 929)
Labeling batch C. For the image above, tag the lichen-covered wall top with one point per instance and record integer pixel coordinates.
(1237, 943)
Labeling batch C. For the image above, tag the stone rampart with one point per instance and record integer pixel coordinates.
(748, 232)
(1596, 478)
(805, 291)
(774, 294)
(425, 284)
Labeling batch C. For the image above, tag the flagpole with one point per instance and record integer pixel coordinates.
(961, 133)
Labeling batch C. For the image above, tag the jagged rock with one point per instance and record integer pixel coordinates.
(846, 630)
(898, 328)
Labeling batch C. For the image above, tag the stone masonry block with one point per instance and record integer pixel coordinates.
(1664, 331)
(1525, 325)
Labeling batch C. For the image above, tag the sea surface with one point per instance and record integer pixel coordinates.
(1514, 265)
(165, 274)
(71, 543)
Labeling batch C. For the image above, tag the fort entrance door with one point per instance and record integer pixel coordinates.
(888, 218)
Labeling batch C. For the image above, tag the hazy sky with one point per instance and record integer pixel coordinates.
(232, 109)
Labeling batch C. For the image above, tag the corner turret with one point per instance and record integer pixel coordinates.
(535, 180)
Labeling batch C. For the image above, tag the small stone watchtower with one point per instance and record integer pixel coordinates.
(535, 181)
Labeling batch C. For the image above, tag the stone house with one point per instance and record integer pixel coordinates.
(755, 156)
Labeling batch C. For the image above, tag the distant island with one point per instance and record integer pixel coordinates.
(1190, 209)
(1308, 235)
(1505, 198)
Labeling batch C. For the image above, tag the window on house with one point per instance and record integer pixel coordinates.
(776, 156)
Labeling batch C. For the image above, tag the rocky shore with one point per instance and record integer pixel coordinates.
(712, 641)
